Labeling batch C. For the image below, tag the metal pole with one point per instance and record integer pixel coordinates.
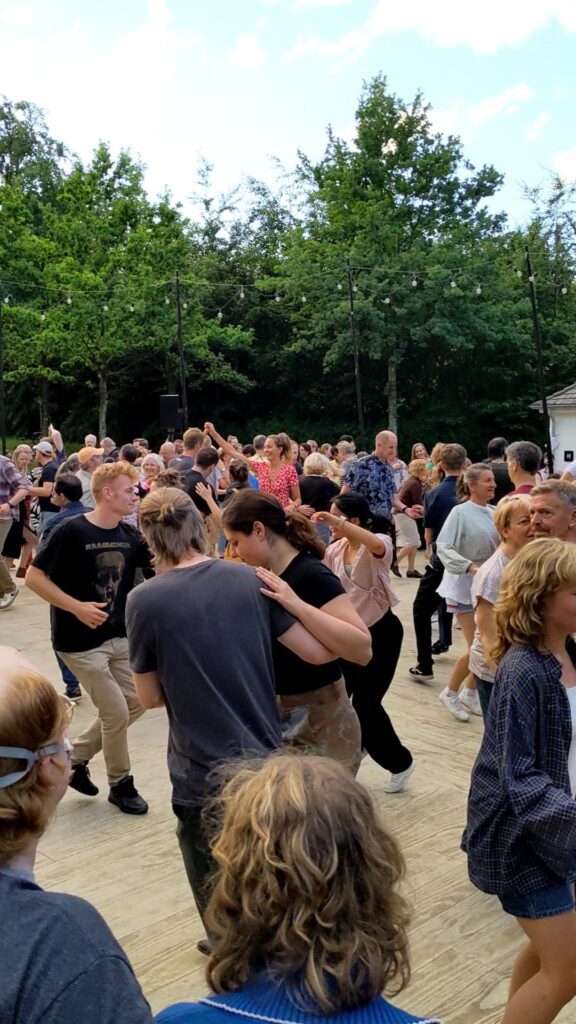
(539, 360)
(2, 384)
(183, 383)
(359, 403)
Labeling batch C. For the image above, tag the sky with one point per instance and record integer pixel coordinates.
(240, 82)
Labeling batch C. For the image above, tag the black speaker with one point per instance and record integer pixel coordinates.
(170, 412)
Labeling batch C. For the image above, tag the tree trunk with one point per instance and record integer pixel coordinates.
(102, 404)
(43, 406)
(392, 395)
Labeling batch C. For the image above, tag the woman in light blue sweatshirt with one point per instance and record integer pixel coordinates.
(306, 918)
(467, 539)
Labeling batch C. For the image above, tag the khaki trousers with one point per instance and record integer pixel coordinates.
(105, 674)
(7, 585)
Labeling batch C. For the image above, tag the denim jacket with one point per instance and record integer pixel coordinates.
(521, 829)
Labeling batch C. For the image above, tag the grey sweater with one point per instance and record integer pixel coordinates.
(468, 536)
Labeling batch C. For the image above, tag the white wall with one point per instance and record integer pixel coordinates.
(563, 429)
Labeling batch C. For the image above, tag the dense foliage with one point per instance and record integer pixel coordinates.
(395, 227)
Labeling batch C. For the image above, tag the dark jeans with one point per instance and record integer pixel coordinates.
(484, 694)
(367, 684)
(426, 602)
(195, 849)
(68, 677)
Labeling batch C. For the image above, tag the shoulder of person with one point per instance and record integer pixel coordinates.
(526, 669)
(63, 914)
(188, 1013)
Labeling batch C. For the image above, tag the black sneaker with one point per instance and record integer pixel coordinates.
(439, 648)
(74, 694)
(126, 797)
(419, 676)
(80, 779)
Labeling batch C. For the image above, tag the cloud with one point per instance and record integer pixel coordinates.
(535, 130)
(248, 53)
(320, 3)
(448, 121)
(445, 23)
(507, 102)
(565, 164)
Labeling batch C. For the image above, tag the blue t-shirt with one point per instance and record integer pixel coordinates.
(59, 962)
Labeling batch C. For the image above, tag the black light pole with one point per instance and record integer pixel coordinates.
(2, 385)
(539, 361)
(359, 403)
(183, 383)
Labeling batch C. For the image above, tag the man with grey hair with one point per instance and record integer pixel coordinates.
(523, 459)
(259, 442)
(553, 510)
(109, 448)
(90, 441)
(373, 478)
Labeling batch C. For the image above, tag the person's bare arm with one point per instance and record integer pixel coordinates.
(298, 640)
(44, 491)
(88, 612)
(351, 531)
(15, 499)
(336, 625)
(486, 622)
(205, 491)
(148, 689)
(222, 443)
(428, 537)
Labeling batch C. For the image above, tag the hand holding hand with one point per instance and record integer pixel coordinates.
(209, 428)
(91, 614)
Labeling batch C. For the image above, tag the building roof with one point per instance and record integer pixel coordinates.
(564, 399)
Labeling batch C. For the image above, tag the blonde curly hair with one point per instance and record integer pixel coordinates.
(538, 571)
(307, 886)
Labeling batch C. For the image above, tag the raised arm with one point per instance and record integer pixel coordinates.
(353, 532)
(227, 448)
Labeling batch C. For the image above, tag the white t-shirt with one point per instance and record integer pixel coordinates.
(486, 584)
(571, 694)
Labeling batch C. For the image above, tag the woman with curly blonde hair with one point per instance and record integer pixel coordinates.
(521, 830)
(306, 915)
(59, 962)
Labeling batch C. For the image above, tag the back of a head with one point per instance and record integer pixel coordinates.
(68, 485)
(453, 457)
(193, 437)
(526, 454)
(249, 506)
(31, 716)
(345, 448)
(307, 885)
(129, 453)
(317, 464)
(497, 448)
(206, 458)
(259, 441)
(353, 506)
(172, 525)
(238, 471)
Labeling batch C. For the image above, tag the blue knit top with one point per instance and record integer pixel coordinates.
(264, 1000)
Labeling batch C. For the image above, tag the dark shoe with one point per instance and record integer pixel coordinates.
(396, 571)
(80, 779)
(204, 946)
(439, 648)
(413, 574)
(74, 693)
(419, 676)
(126, 797)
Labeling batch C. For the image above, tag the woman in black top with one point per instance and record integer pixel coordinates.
(318, 713)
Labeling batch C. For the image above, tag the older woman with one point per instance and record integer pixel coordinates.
(150, 467)
(318, 490)
(307, 916)
(59, 962)
(20, 540)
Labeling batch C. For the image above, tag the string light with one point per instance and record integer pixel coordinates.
(184, 305)
(219, 314)
(167, 301)
(387, 300)
(518, 273)
(42, 316)
(105, 307)
(277, 297)
(564, 290)
(531, 278)
(6, 300)
(242, 293)
(452, 284)
(339, 286)
(355, 288)
(69, 300)
(414, 282)
(131, 307)
(479, 290)
(304, 299)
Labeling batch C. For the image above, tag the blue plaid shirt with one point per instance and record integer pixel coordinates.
(374, 480)
(521, 831)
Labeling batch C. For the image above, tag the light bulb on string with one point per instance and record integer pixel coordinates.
(479, 290)
(414, 282)
(167, 301)
(184, 305)
(387, 300)
(219, 314)
(564, 290)
(276, 297)
(42, 316)
(303, 298)
(242, 296)
(339, 287)
(105, 307)
(69, 300)
(452, 284)
(355, 288)
(6, 300)
(518, 273)
(531, 278)
(131, 307)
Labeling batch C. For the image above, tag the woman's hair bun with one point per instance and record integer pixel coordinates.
(166, 513)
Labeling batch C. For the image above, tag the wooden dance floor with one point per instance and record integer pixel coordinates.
(463, 945)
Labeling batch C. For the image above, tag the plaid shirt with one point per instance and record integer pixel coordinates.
(374, 480)
(521, 831)
(10, 482)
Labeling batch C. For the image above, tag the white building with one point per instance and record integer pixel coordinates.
(562, 412)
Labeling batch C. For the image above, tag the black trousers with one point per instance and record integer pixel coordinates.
(195, 849)
(426, 602)
(367, 684)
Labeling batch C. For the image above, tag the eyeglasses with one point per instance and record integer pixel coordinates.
(31, 758)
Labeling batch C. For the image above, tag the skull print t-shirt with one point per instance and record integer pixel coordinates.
(91, 563)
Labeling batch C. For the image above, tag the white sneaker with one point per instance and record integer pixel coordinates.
(451, 701)
(470, 699)
(398, 781)
(8, 599)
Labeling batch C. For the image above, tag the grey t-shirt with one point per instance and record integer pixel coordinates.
(207, 631)
(486, 584)
(60, 963)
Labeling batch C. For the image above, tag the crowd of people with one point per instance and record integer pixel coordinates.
(147, 560)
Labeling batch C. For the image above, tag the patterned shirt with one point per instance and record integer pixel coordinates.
(374, 480)
(521, 830)
(280, 486)
(11, 480)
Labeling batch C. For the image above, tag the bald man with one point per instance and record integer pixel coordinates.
(373, 478)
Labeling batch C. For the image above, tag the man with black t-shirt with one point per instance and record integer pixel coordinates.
(206, 460)
(44, 456)
(86, 571)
